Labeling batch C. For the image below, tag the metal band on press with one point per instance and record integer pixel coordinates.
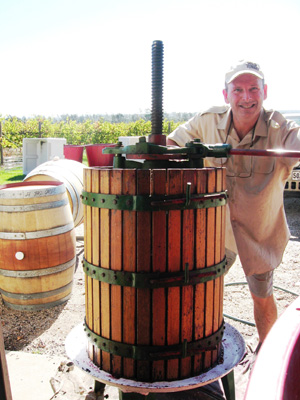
(151, 353)
(155, 202)
(155, 280)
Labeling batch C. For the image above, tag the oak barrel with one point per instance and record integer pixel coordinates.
(70, 173)
(154, 264)
(37, 245)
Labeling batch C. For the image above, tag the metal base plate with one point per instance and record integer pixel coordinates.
(233, 345)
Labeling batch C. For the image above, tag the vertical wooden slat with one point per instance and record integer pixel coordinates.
(159, 264)
(222, 254)
(200, 245)
(187, 292)
(210, 260)
(223, 227)
(105, 263)
(88, 257)
(174, 262)
(95, 239)
(129, 264)
(116, 264)
(217, 282)
(143, 265)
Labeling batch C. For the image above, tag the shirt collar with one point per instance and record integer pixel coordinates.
(225, 121)
(261, 128)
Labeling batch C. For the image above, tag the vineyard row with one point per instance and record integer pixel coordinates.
(13, 131)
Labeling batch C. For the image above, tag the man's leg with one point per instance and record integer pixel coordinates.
(265, 314)
(265, 310)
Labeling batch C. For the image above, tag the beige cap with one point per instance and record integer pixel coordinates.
(243, 67)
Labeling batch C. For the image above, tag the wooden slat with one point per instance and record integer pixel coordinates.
(159, 244)
(96, 261)
(174, 262)
(129, 264)
(88, 256)
(223, 227)
(210, 260)
(116, 264)
(187, 292)
(217, 282)
(200, 245)
(105, 263)
(143, 265)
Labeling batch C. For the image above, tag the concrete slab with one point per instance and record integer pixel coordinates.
(30, 375)
(42, 377)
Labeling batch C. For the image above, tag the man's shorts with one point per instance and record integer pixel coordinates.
(261, 285)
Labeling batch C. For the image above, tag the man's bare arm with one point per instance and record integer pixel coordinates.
(171, 142)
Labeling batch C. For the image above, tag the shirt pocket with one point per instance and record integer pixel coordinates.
(263, 165)
(239, 166)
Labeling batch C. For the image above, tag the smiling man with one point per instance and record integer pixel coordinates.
(256, 227)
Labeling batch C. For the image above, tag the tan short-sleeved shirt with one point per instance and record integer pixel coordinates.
(256, 223)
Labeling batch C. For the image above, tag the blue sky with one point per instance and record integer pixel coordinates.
(94, 56)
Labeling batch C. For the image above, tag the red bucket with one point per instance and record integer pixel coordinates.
(95, 156)
(73, 152)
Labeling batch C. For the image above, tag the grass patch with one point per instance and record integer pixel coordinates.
(11, 176)
(14, 175)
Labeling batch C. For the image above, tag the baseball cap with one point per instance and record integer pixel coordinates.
(243, 67)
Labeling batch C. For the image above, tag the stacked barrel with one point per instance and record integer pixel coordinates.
(37, 245)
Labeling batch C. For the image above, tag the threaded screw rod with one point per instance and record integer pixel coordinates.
(157, 94)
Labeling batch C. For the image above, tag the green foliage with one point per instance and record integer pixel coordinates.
(75, 132)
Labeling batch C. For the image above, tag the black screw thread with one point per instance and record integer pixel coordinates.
(157, 87)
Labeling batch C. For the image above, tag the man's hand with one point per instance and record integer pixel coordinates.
(171, 142)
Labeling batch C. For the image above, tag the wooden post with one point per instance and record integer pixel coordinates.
(1, 147)
(5, 391)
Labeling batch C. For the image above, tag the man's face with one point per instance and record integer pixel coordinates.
(246, 94)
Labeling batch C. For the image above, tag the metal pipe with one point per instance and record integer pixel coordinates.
(265, 153)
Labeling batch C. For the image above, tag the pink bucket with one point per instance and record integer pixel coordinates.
(95, 156)
(73, 152)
